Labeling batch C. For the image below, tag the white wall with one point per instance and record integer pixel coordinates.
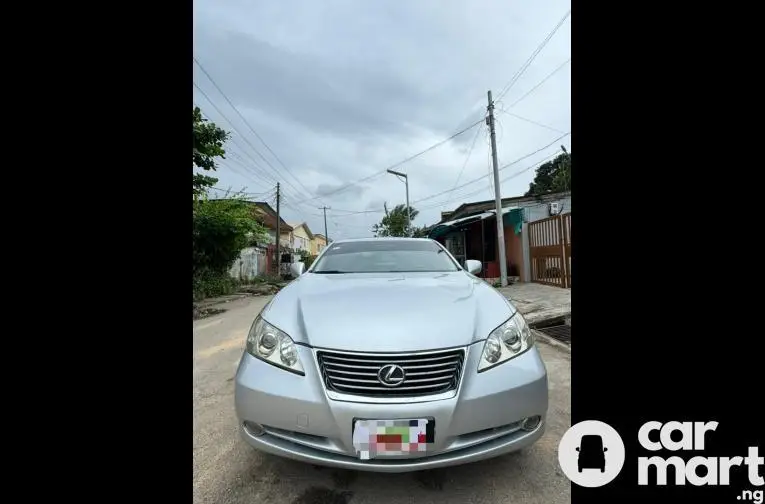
(534, 211)
(251, 263)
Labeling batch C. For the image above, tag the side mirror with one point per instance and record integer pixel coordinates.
(297, 269)
(605, 449)
(577, 448)
(474, 267)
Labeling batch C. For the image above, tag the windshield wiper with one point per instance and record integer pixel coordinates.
(330, 272)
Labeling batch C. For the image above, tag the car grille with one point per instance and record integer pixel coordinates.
(425, 374)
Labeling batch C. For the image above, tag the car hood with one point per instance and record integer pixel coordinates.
(388, 312)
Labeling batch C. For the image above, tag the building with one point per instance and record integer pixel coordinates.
(301, 237)
(536, 230)
(318, 243)
(267, 216)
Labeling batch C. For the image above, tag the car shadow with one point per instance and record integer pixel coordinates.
(327, 485)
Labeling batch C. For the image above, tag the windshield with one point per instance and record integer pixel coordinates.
(592, 443)
(385, 256)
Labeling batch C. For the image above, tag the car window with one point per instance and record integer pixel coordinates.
(591, 442)
(385, 256)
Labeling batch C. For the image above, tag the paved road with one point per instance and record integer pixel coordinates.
(226, 470)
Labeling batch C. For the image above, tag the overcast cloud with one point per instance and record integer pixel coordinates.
(340, 90)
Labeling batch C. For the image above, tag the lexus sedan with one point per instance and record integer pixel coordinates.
(387, 355)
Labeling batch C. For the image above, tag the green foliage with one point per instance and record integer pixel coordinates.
(551, 177)
(395, 222)
(208, 142)
(308, 260)
(221, 229)
(209, 284)
(202, 183)
(420, 232)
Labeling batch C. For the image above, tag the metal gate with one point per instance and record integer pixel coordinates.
(550, 250)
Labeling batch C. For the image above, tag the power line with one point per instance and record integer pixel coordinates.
(260, 173)
(511, 176)
(410, 158)
(265, 175)
(500, 169)
(527, 93)
(236, 158)
(533, 56)
(264, 193)
(536, 151)
(225, 117)
(241, 135)
(246, 122)
(530, 121)
(467, 158)
(516, 161)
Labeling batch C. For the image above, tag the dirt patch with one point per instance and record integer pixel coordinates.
(200, 313)
(264, 289)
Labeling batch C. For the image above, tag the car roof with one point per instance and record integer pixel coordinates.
(386, 238)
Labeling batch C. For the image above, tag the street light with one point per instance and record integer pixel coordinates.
(408, 210)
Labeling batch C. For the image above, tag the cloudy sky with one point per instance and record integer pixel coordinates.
(324, 96)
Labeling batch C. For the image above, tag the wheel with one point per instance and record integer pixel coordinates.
(580, 468)
(603, 469)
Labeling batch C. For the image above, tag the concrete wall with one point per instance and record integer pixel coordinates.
(250, 264)
(535, 211)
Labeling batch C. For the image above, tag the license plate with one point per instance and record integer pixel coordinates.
(393, 438)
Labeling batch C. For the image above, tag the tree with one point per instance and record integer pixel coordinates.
(395, 222)
(208, 144)
(221, 228)
(551, 177)
(420, 232)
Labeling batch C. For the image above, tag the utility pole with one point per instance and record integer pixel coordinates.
(278, 232)
(497, 197)
(408, 209)
(326, 235)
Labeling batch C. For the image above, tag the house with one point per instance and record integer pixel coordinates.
(537, 237)
(267, 216)
(318, 243)
(301, 236)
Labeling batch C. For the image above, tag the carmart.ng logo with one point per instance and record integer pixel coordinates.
(591, 454)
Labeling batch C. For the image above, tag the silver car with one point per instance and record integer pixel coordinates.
(386, 355)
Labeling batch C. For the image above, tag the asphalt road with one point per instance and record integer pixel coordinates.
(227, 470)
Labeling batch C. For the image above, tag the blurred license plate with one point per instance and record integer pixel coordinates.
(393, 438)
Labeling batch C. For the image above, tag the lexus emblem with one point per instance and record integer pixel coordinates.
(391, 375)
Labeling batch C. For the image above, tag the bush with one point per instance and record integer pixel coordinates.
(308, 260)
(209, 284)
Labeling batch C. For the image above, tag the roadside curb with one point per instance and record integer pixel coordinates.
(550, 341)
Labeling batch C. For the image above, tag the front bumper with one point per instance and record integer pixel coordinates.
(482, 421)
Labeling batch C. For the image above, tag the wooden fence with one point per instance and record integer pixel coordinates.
(550, 250)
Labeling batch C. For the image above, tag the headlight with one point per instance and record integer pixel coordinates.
(505, 342)
(268, 343)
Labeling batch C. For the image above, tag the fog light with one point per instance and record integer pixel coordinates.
(531, 423)
(254, 429)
